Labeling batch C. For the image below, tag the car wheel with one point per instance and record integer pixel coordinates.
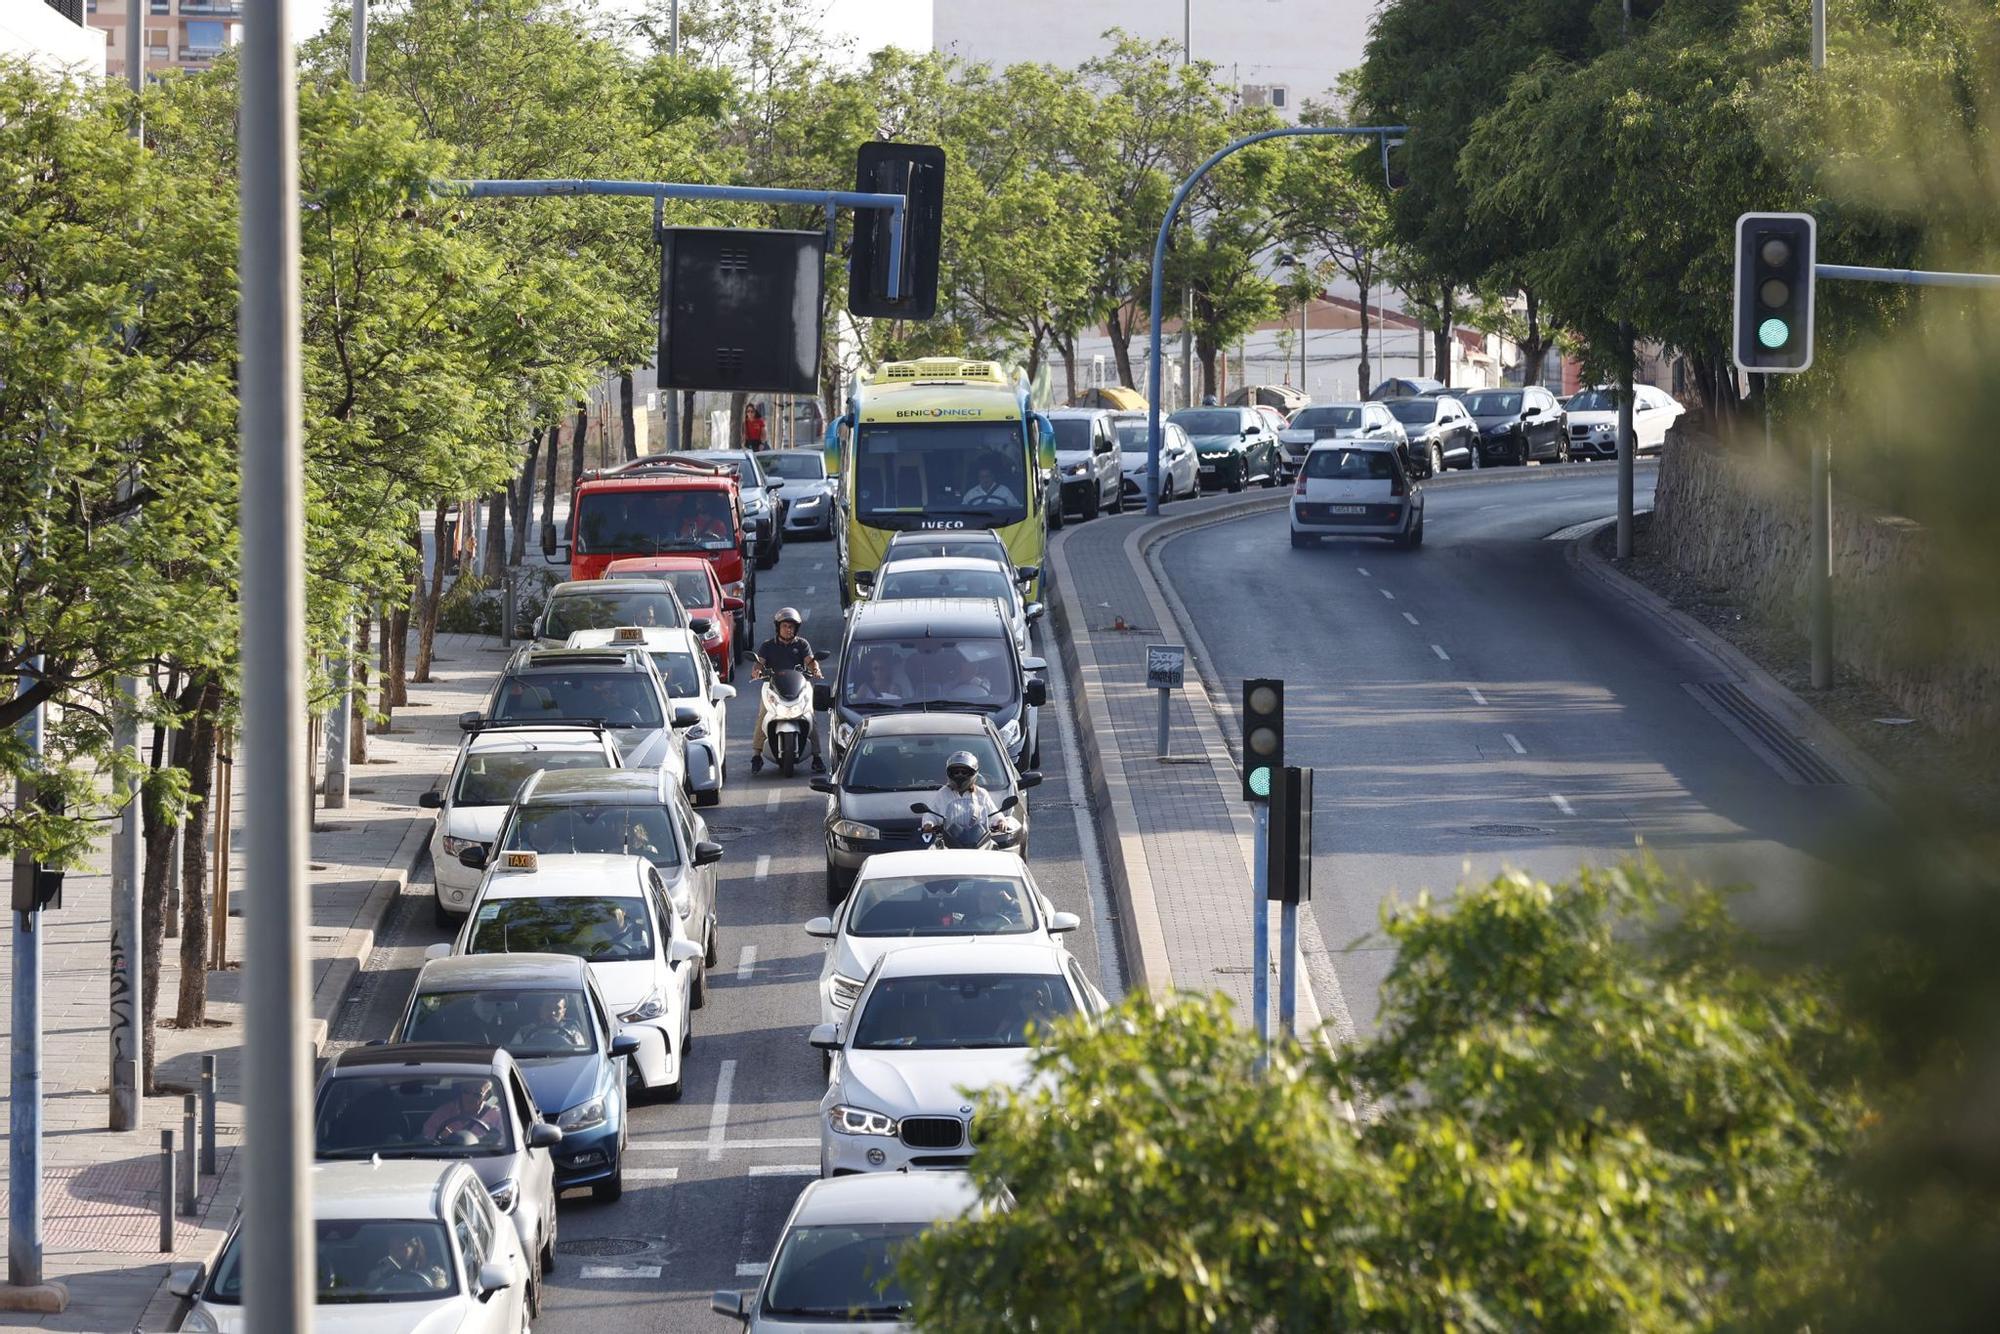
(1301, 540)
(1091, 505)
(836, 884)
(698, 989)
(767, 559)
(708, 798)
(1521, 453)
(1241, 477)
(531, 1305)
(1056, 515)
(1117, 505)
(442, 916)
(1437, 460)
(548, 1252)
(609, 1191)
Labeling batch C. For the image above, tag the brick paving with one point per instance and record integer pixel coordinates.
(100, 1221)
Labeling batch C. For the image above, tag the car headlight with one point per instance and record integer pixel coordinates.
(652, 1007)
(843, 991)
(807, 502)
(504, 1194)
(847, 1120)
(201, 1321)
(1010, 731)
(1075, 470)
(582, 1116)
(454, 846)
(854, 829)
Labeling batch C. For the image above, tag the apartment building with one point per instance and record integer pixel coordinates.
(179, 34)
(50, 35)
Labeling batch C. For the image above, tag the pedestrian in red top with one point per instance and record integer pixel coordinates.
(753, 427)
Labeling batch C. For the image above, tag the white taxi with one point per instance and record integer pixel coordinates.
(698, 699)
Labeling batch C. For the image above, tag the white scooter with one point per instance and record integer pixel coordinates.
(788, 718)
(960, 826)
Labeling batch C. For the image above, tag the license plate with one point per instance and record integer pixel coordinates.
(1207, 468)
(1347, 509)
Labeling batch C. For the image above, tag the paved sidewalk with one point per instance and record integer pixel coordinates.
(100, 1217)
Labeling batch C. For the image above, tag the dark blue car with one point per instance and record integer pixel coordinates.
(546, 1011)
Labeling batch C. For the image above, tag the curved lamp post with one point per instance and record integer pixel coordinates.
(1160, 264)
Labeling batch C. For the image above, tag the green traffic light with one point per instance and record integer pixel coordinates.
(1260, 780)
(1774, 333)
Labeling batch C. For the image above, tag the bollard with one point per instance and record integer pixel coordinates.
(167, 1191)
(208, 1116)
(187, 1155)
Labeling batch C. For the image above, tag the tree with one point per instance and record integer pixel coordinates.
(1331, 202)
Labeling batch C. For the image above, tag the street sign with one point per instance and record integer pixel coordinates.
(1288, 879)
(742, 309)
(1166, 666)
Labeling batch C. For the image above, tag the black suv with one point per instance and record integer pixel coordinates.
(1516, 425)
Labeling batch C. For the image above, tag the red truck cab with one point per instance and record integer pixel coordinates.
(660, 507)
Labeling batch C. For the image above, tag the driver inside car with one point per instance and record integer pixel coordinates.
(407, 1267)
(552, 1025)
(471, 1107)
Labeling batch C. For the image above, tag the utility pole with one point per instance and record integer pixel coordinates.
(673, 28)
(357, 53)
(1626, 358)
(277, 1198)
(1819, 502)
(24, 1105)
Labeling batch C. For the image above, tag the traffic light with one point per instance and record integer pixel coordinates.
(1773, 327)
(915, 171)
(1263, 735)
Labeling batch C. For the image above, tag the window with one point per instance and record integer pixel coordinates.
(1494, 403)
(916, 763)
(843, 1271)
(1326, 419)
(524, 1102)
(1199, 422)
(206, 35)
(976, 1010)
(360, 1260)
(678, 670)
(474, 1242)
(608, 606)
(796, 465)
(624, 830)
(527, 1023)
(644, 522)
(608, 929)
(1351, 465)
(410, 1115)
(1082, 985)
(1277, 95)
(985, 582)
(615, 698)
(962, 470)
(492, 779)
(903, 673)
(940, 905)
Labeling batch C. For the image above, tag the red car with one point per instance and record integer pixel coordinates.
(694, 581)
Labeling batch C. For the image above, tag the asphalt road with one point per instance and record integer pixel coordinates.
(710, 1178)
(1480, 703)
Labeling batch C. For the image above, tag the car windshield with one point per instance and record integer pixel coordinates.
(1134, 433)
(908, 474)
(597, 930)
(492, 778)
(1595, 400)
(622, 830)
(916, 673)
(677, 669)
(840, 1271)
(1413, 411)
(916, 763)
(896, 584)
(1210, 421)
(360, 1260)
(796, 465)
(405, 1115)
(690, 586)
(1492, 403)
(1350, 465)
(636, 523)
(967, 1010)
(528, 1023)
(608, 606)
(940, 905)
(1326, 419)
(1072, 434)
(616, 698)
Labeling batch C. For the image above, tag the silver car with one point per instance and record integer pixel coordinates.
(809, 493)
(1088, 463)
(1180, 471)
(838, 1245)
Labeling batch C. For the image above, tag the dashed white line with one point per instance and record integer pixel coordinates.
(1562, 803)
(1514, 741)
(1387, 594)
(752, 1270)
(1477, 698)
(1443, 656)
(1411, 619)
(771, 801)
(785, 1170)
(763, 865)
(621, 1271)
(810, 588)
(718, 1115)
(1363, 572)
(746, 963)
(652, 1173)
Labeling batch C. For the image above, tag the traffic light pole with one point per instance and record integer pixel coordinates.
(1260, 931)
(24, 1096)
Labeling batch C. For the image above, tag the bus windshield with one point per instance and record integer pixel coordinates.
(971, 471)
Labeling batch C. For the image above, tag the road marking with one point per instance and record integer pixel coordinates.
(1411, 619)
(746, 963)
(810, 588)
(763, 865)
(1477, 698)
(668, 1146)
(819, 565)
(718, 1115)
(1443, 656)
(785, 1170)
(1387, 594)
(652, 1173)
(1562, 804)
(1519, 749)
(755, 1270)
(771, 801)
(621, 1271)
(1363, 572)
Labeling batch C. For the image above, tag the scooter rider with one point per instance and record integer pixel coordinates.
(961, 783)
(785, 651)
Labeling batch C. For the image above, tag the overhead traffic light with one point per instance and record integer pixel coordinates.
(1263, 735)
(1773, 327)
(915, 171)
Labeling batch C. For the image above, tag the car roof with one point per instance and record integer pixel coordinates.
(440, 1056)
(916, 617)
(918, 537)
(977, 954)
(654, 637)
(553, 787)
(665, 563)
(923, 563)
(584, 737)
(373, 1188)
(924, 724)
(1079, 414)
(501, 972)
(886, 1197)
(630, 658)
(944, 862)
(1371, 446)
(581, 587)
(565, 875)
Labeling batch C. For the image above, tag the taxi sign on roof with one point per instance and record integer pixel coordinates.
(628, 634)
(520, 861)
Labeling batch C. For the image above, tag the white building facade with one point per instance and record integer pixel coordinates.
(51, 36)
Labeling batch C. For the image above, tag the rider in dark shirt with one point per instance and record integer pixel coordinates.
(785, 651)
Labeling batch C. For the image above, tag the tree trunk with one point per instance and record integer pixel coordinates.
(1362, 370)
(736, 405)
(687, 420)
(522, 503)
(1442, 337)
(429, 604)
(158, 832)
(384, 705)
(395, 684)
(1066, 344)
(1533, 347)
(628, 416)
(1121, 348)
(496, 537)
(357, 723)
(192, 1009)
(579, 431)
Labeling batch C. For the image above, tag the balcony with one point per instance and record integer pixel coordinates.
(202, 54)
(69, 9)
(212, 9)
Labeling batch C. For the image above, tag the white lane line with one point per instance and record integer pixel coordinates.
(1519, 749)
(785, 1170)
(763, 865)
(638, 1143)
(718, 1115)
(1477, 698)
(1439, 650)
(810, 588)
(771, 801)
(652, 1173)
(621, 1271)
(819, 565)
(752, 1270)
(1562, 803)
(1362, 571)
(746, 963)
(1411, 619)
(1387, 594)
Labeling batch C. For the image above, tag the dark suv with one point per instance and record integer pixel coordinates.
(1516, 425)
(1235, 446)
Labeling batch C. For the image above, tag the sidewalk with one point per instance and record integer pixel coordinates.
(100, 1220)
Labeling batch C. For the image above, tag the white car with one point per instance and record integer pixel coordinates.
(934, 1026)
(699, 700)
(838, 1245)
(927, 897)
(958, 577)
(1339, 421)
(399, 1245)
(1593, 421)
(1356, 488)
(1180, 470)
(492, 764)
(614, 913)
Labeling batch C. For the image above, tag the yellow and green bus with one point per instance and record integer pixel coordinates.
(940, 443)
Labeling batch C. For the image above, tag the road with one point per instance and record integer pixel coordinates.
(710, 1178)
(1481, 703)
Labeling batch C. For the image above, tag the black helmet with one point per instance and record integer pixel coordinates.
(962, 760)
(788, 614)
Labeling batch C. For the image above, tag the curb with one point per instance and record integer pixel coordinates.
(1821, 736)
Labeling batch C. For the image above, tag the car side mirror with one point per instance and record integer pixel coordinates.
(432, 800)
(732, 603)
(1009, 802)
(1034, 664)
(1027, 574)
(707, 852)
(1249, 433)
(494, 1276)
(822, 696)
(549, 544)
(720, 691)
(826, 1037)
(918, 808)
(820, 928)
(542, 1135)
(775, 483)
(701, 625)
(823, 784)
(1032, 778)
(473, 858)
(683, 950)
(686, 715)
(1035, 610)
(729, 1302)
(625, 1044)
(186, 1283)
(470, 720)
(864, 580)
(439, 950)
(1037, 693)
(1060, 922)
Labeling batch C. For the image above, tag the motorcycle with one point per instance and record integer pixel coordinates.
(959, 825)
(788, 718)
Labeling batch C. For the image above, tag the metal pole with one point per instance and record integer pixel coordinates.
(166, 1191)
(135, 55)
(277, 1252)
(1819, 586)
(189, 1191)
(357, 55)
(339, 718)
(673, 29)
(1625, 443)
(1819, 34)
(24, 1106)
(1288, 969)
(1164, 703)
(208, 1116)
(127, 877)
(1260, 936)
(1305, 329)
